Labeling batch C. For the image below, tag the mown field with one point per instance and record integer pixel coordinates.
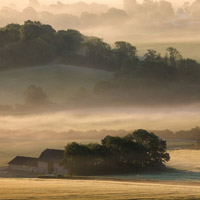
(183, 184)
(26, 189)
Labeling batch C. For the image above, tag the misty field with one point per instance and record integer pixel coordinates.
(25, 189)
(54, 79)
(172, 185)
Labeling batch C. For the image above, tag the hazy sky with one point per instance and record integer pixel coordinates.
(111, 2)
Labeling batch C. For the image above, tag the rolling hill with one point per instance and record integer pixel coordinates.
(58, 81)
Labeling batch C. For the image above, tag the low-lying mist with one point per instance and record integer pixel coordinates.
(30, 134)
(55, 125)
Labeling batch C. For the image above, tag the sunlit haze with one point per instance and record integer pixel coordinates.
(118, 3)
(100, 99)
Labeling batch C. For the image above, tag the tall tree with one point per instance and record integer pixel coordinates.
(173, 56)
(125, 54)
(155, 147)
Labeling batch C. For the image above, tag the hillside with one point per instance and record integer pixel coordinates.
(58, 81)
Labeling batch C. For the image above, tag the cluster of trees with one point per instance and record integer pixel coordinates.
(153, 78)
(82, 14)
(191, 134)
(171, 67)
(140, 150)
(35, 43)
(139, 18)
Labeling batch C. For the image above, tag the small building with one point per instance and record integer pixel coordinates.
(22, 163)
(49, 162)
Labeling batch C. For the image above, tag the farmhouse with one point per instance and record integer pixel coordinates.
(27, 164)
(49, 162)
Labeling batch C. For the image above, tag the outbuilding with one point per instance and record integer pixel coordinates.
(22, 163)
(50, 161)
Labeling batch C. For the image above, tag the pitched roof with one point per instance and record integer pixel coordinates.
(25, 161)
(52, 155)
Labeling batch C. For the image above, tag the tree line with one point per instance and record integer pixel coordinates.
(34, 43)
(138, 151)
(155, 77)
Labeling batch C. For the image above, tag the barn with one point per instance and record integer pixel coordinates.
(49, 162)
(22, 163)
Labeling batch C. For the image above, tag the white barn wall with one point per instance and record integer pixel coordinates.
(43, 167)
(58, 169)
(23, 168)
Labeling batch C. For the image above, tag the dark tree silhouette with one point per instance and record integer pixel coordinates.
(140, 150)
(155, 147)
(125, 54)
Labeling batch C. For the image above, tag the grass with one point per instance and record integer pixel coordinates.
(37, 189)
(152, 186)
(58, 81)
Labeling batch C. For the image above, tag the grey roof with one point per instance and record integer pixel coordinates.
(25, 161)
(52, 155)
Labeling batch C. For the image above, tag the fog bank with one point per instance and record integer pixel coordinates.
(135, 21)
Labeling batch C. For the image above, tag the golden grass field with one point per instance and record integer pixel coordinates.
(37, 189)
(181, 185)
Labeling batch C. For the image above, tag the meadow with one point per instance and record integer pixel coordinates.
(183, 184)
(58, 81)
(26, 189)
